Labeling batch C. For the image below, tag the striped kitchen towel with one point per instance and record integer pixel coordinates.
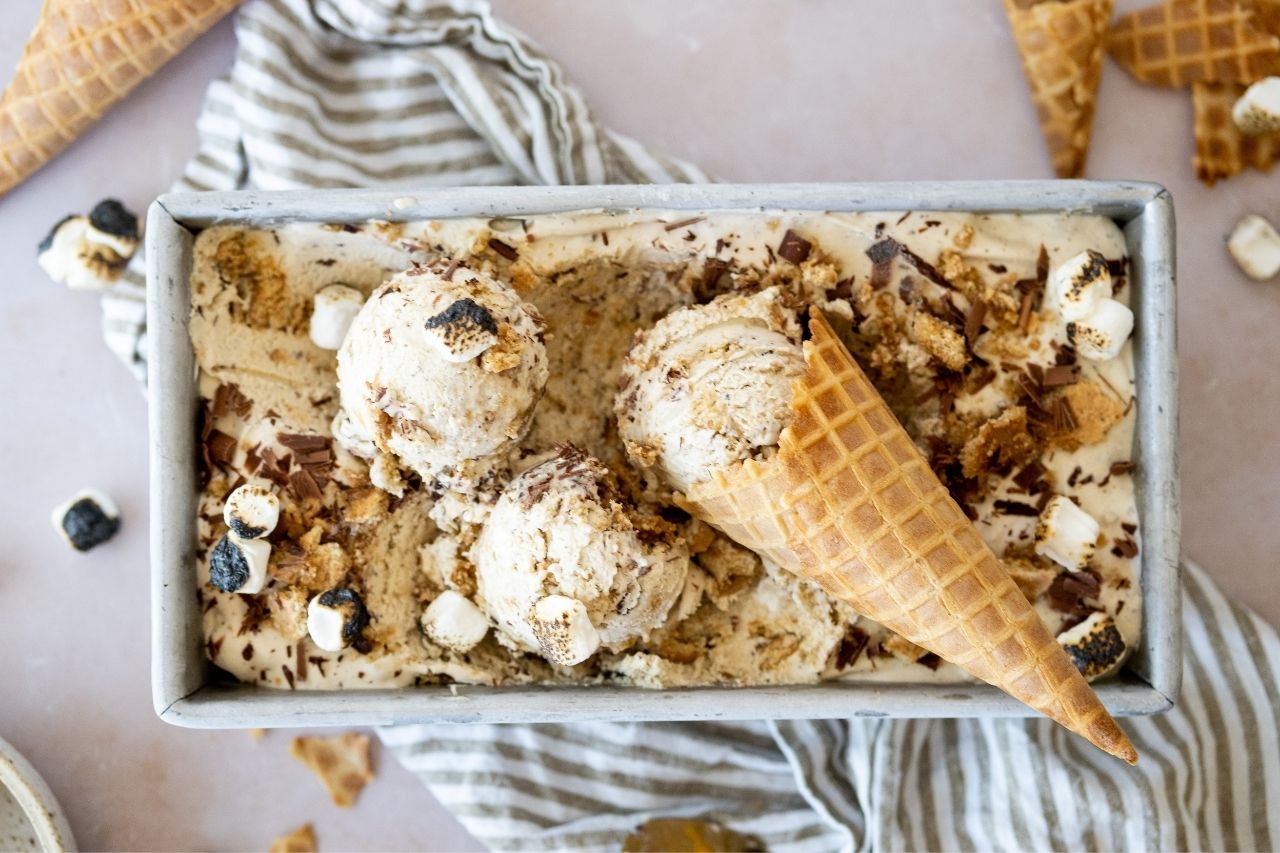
(416, 93)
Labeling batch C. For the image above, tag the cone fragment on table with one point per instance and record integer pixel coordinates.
(1061, 44)
(849, 502)
(83, 57)
(1181, 42)
(1221, 149)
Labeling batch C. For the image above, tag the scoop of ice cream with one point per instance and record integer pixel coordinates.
(710, 385)
(561, 545)
(439, 374)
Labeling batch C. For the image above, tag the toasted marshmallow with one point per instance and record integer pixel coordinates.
(251, 511)
(1079, 284)
(336, 618)
(563, 629)
(462, 331)
(1095, 646)
(332, 311)
(239, 565)
(1258, 110)
(90, 252)
(1256, 246)
(87, 520)
(1102, 334)
(1066, 534)
(454, 622)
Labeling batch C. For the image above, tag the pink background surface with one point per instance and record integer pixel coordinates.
(754, 90)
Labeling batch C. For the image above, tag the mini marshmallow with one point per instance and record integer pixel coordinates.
(1258, 110)
(1255, 246)
(87, 520)
(90, 252)
(251, 511)
(453, 621)
(1095, 646)
(1066, 534)
(333, 310)
(111, 224)
(336, 618)
(462, 331)
(1079, 284)
(239, 565)
(563, 629)
(1102, 334)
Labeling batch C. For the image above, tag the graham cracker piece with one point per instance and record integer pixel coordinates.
(301, 840)
(1221, 149)
(342, 762)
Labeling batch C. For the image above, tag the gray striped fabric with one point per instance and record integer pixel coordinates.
(421, 93)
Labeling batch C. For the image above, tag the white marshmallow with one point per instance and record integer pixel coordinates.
(1066, 534)
(1258, 110)
(333, 309)
(563, 629)
(453, 621)
(1255, 245)
(95, 519)
(240, 565)
(324, 624)
(1102, 334)
(462, 331)
(1079, 284)
(251, 511)
(1095, 646)
(67, 259)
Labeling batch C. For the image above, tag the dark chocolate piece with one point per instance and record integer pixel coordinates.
(794, 248)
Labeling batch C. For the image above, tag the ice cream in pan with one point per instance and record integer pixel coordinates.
(488, 481)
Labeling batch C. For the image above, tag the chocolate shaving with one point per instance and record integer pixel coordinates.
(1066, 355)
(304, 485)
(973, 321)
(794, 248)
(288, 674)
(1016, 508)
(884, 251)
(1125, 548)
(998, 269)
(222, 447)
(852, 644)
(1064, 418)
(1118, 469)
(301, 662)
(1075, 475)
(302, 443)
(1042, 267)
(930, 660)
(1031, 478)
(229, 398)
(676, 226)
(1024, 311)
(713, 269)
(1069, 590)
(1061, 374)
(452, 268)
(1129, 527)
(507, 251)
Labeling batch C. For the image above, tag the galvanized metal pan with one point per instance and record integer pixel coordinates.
(184, 688)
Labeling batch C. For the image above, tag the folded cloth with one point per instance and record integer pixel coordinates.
(421, 93)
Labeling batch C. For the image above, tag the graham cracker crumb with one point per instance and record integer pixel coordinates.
(1095, 411)
(903, 648)
(342, 762)
(940, 340)
(963, 238)
(301, 840)
(505, 354)
(1003, 439)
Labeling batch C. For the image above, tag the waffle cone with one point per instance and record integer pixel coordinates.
(1221, 149)
(1181, 42)
(1061, 44)
(849, 502)
(83, 57)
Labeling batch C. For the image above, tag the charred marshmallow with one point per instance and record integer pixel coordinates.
(1095, 646)
(1258, 109)
(333, 310)
(251, 511)
(563, 629)
(90, 252)
(87, 520)
(336, 618)
(239, 565)
(1066, 534)
(1255, 246)
(462, 331)
(1080, 284)
(1101, 335)
(454, 622)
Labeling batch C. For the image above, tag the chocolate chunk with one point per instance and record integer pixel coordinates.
(304, 485)
(222, 447)
(1129, 527)
(110, 217)
(1069, 590)
(851, 645)
(507, 251)
(1031, 478)
(1042, 266)
(87, 524)
(713, 270)
(973, 321)
(466, 311)
(794, 248)
(229, 398)
(1015, 508)
(301, 442)
(1120, 468)
(1061, 374)
(930, 660)
(1126, 548)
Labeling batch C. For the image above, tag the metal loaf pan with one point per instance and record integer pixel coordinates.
(183, 688)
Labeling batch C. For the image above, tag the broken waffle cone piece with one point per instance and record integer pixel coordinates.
(850, 503)
(83, 57)
(1181, 42)
(1061, 44)
(1221, 149)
